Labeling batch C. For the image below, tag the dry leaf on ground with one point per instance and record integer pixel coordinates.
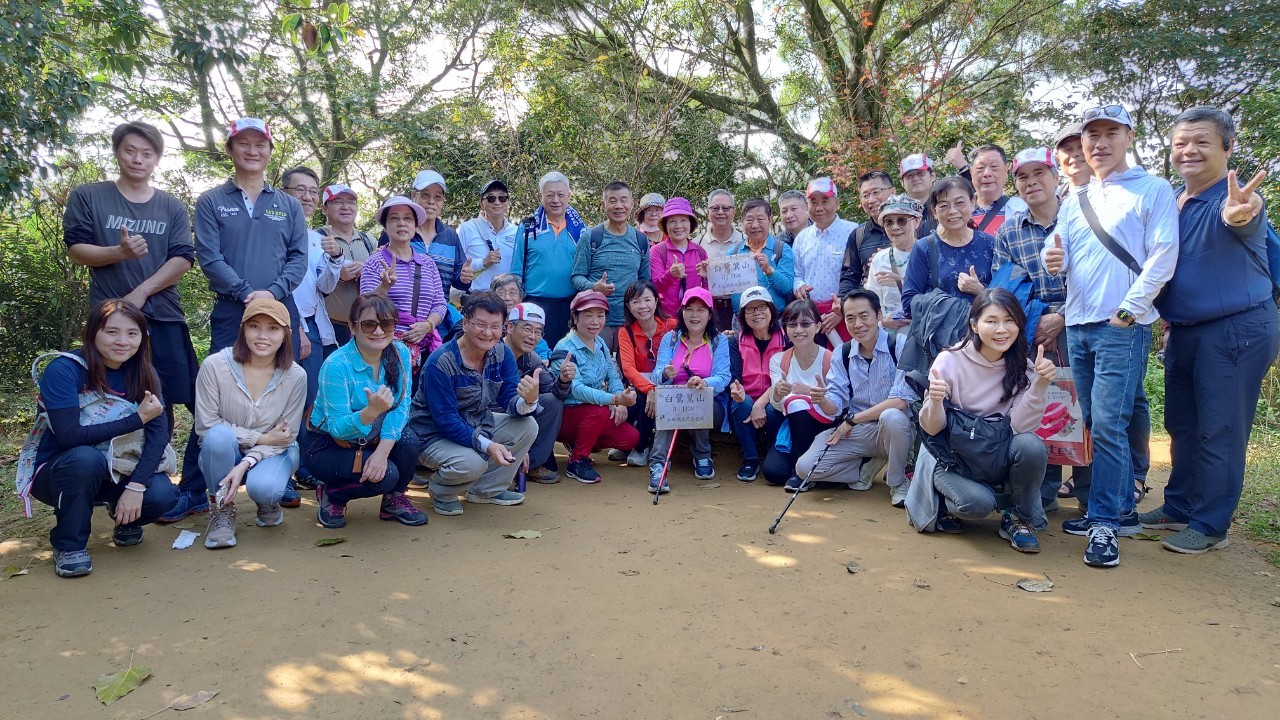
(11, 571)
(523, 535)
(1038, 586)
(186, 702)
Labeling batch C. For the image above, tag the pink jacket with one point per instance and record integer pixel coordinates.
(661, 257)
(974, 384)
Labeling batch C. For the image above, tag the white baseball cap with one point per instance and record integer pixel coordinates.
(333, 191)
(527, 312)
(1029, 156)
(248, 123)
(824, 186)
(755, 293)
(915, 161)
(427, 178)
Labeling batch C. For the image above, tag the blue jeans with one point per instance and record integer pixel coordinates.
(737, 413)
(1213, 375)
(265, 483)
(1109, 364)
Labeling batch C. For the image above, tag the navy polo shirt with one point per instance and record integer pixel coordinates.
(242, 251)
(1221, 269)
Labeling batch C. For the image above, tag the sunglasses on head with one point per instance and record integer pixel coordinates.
(1111, 111)
(368, 326)
(496, 199)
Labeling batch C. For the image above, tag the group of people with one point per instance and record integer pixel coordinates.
(345, 362)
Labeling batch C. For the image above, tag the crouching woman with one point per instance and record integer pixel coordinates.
(990, 378)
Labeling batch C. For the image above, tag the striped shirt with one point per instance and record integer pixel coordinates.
(343, 378)
(430, 297)
(862, 385)
(1020, 241)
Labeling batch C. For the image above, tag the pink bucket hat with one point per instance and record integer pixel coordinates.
(678, 206)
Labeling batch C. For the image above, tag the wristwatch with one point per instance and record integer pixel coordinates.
(1125, 316)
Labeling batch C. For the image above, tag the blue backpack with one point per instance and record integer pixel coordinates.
(1273, 260)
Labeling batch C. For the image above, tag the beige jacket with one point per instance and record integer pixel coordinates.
(222, 399)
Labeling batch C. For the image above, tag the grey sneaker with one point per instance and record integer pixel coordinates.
(544, 476)
(72, 563)
(446, 507)
(616, 455)
(638, 458)
(269, 515)
(506, 497)
(898, 495)
(1194, 542)
(221, 532)
(1158, 520)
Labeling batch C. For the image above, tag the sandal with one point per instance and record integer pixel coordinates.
(1140, 489)
(1068, 488)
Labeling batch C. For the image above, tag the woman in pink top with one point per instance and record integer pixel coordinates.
(990, 373)
(673, 262)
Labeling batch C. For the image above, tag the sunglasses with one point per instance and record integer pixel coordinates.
(800, 325)
(368, 326)
(1111, 111)
(895, 222)
(496, 199)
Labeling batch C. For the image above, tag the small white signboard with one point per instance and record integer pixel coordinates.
(681, 408)
(731, 274)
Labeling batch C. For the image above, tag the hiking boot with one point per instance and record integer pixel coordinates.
(703, 469)
(303, 479)
(291, 498)
(1103, 549)
(221, 532)
(396, 506)
(657, 483)
(898, 495)
(1019, 534)
(1194, 542)
(749, 470)
(506, 497)
(583, 471)
(1129, 526)
(269, 515)
(72, 563)
(616, 455)
(188, 503)
(544, 476)
(330, 515)
(447, 507)
(124, 536)
(638, 458)
(1158, 520)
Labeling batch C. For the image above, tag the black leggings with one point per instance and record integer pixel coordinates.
(779, 466)
(332, 467)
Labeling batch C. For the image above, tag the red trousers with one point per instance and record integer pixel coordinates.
(587, 428)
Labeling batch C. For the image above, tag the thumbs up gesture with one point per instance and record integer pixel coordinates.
(528, 387)
(329, 244)
(818, 393)
(968, 282)
(568, 369)
(603, 286)
(150, 407)
(379, 400)
(955, 156)
(736, 393)
(937, 387)
(1045, 368)
(132, 247)
(1054, 257)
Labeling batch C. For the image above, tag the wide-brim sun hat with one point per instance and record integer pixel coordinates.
(650, 200)
(399, 201)
(678, 206)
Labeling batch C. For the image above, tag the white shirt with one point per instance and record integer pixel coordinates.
(1138, 210)
(476, 235)
(819, 255)
(320, 279)
(812, 376)
(893, 260)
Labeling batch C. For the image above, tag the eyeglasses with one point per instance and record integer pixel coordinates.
(343, 203)
(368, 326)
(1111, 111)
(485, 328)
(496, 199)
(800, 325)
(304, 190)
(758, 310)
(896, 221)
(531, 328)
(874, 192)
(720, 208)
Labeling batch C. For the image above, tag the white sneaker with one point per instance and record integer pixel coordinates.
(898, 496)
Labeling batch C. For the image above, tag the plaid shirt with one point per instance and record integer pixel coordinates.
(1019, 241)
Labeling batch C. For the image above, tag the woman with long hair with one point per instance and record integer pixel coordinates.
(990, 373)
(359, 448)
(696, 356)
(646, 324)
(249, 402)
(751, 353)
(94, 401)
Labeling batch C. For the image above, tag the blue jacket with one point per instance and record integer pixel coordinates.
(597, 379)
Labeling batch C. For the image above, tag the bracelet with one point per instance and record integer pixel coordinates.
(252, 461)
(136, 487)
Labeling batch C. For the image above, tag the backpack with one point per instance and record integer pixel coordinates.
(826, 362)
(846, 350)
(1273, 260)
(597, 237)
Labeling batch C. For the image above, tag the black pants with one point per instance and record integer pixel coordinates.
(74, 480)
(641, 421)
(778, 466)
(332, 467)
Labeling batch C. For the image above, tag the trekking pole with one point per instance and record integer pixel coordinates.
(804, 484)
(662, 480)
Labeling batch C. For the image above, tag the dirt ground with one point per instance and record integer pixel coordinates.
(626, 610)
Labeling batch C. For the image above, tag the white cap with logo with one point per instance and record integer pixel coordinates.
(527, 312)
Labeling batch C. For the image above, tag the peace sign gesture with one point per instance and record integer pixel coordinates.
(1243, 203)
